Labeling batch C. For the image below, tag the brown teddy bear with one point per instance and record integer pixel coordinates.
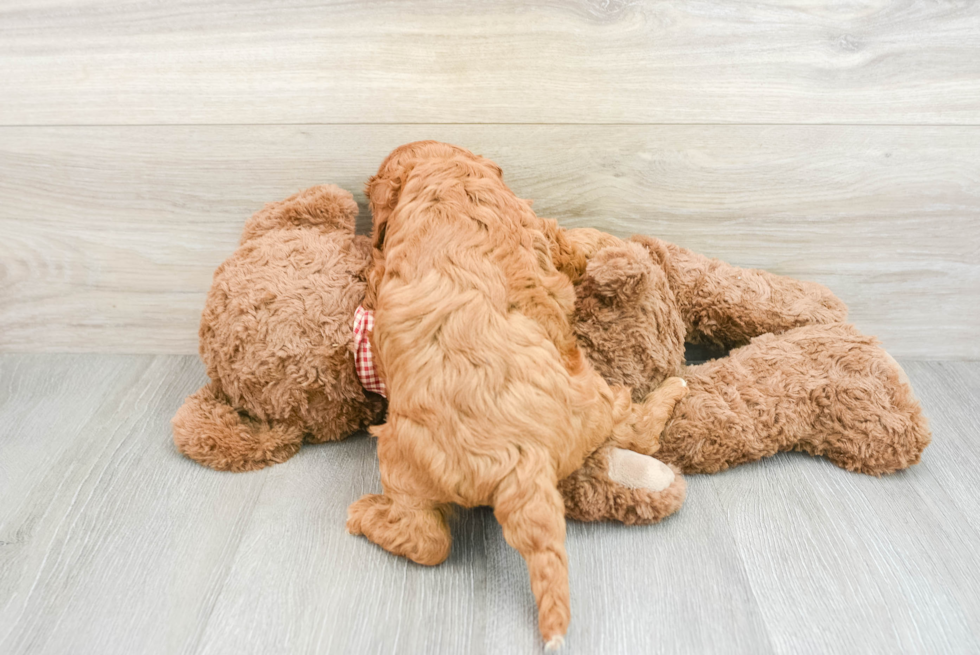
(277, 337)
(798, 379)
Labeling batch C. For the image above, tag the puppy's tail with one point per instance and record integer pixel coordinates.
(211, 432)
(532, 514)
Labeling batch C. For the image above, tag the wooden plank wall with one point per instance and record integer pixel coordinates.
(838, 143)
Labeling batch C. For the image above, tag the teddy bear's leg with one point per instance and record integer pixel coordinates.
(824, 389)
(873, 423)
(210, 431)
(626, 319)
(403, 525)
(727, 306)
(621, 485)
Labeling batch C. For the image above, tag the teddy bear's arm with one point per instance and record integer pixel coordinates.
(726, 305)
(620, 485)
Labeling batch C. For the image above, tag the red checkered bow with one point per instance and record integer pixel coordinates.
(363, 358)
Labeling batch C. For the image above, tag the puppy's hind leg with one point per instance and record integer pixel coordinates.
(405, 520)
(403, 525)
(532, 514)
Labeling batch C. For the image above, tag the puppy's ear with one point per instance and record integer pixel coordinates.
(383, 191)
(500, 173)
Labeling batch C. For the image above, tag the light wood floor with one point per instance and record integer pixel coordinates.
(110, 542)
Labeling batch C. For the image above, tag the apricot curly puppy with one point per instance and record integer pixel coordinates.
(491, 402)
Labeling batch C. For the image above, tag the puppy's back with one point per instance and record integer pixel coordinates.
(472, 328)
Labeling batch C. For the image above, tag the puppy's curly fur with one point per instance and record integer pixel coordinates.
(491, 401)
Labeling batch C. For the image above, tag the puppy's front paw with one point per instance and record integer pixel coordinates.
(654, 413)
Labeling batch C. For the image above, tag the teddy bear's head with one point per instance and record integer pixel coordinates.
(626, 318)
(276, 336)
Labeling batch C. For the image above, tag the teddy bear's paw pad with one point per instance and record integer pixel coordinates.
(636, 471)
(555, 643)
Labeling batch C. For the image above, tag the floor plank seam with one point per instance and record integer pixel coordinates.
(744, 567)
(228, 566)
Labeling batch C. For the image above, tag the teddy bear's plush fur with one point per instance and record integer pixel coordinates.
(277, 338)
(804, 380)
(617, 484)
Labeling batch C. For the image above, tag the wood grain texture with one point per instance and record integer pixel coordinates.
(301, 584)
(111, 234)
(676, 587)
(860, 545)
(951, 391)
(111, 543)
(872, 549)
(586, 61)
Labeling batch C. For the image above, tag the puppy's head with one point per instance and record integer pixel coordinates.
(384, 189)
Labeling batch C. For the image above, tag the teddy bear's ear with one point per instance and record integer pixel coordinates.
(618, 272)
(326, 206)
(655, 247)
